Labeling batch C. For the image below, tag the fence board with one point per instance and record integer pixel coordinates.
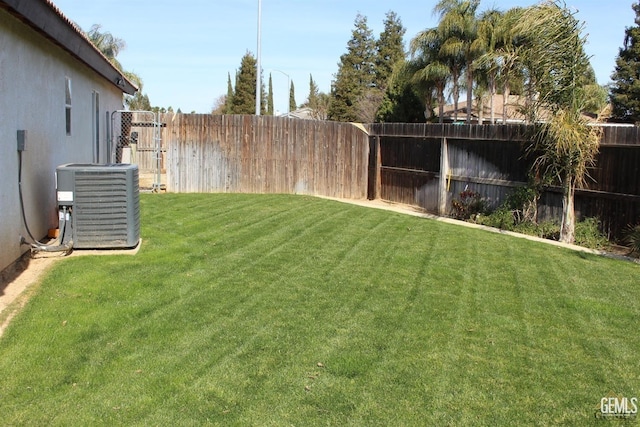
(262, 154)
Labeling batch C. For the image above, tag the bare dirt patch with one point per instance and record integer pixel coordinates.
(19, 281)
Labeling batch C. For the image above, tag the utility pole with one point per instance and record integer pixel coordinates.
(259, 74)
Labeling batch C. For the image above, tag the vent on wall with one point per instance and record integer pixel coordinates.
(104, 203)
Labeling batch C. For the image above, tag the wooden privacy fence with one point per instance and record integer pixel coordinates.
(410, 160)
(425, 165)
(428, 165)
(265, 154)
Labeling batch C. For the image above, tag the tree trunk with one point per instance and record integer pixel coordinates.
(469, 93)
(492, 92)
(568, 223)
(456, 96)
(505, 101)
(441, 104)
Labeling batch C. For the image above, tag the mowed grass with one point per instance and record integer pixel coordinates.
(290, 310)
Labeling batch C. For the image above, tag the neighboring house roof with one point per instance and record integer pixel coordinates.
(515, 105)
(44, 17)
(303, 113)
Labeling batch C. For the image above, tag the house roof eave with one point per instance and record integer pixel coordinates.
(44, 17)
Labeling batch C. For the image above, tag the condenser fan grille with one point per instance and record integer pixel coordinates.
(105, 205)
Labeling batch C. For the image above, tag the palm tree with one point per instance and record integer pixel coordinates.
(557, 64)
(430, 71)
(488, 64)
(106, 43)
(503, 50)
(458, 28)
(483, 89)
(110, 47)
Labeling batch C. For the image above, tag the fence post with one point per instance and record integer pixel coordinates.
(375, 161)
(444, 174)
(378, 167)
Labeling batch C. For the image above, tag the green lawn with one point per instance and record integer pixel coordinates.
(290, 310)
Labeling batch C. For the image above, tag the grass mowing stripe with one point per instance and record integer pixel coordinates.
(224, 314)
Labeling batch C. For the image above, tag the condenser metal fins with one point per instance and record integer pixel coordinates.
(104, 202)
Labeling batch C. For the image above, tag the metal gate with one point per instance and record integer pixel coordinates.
(135, 137)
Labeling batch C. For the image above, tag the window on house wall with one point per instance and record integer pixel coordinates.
(96, 126)
(67, 104)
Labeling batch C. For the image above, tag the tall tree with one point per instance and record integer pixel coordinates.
(510, 46)
(244, 96)
(431, 70)
(355, 73)
(228, 102)
(139, 102)
(312, 100)
(111, 46)
(317, 101)
(107, 43)
(402, 103)
(389, 53)
(565, 145)
(389, 50)
(292, 98)
(270, 97)
(458, 28)
(625, 88)
(487, 65)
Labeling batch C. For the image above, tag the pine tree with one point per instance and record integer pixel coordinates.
(625, 89)
(263, 100)
(355, 73)
(139, 102)
(389, 49)
(401, 103)
(270, 97)
(317, 101)
(292, 98)
(228, 103)
(244, 97)
(382, 97)
(312, 100)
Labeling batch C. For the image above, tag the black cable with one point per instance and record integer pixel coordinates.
(24, 217)
(37, 245)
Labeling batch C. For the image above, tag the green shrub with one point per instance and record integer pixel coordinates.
(546, 230)
(523, 203)
(518, 213)
(501, 218)
(632, 239)
(549, 230)
(588, 234)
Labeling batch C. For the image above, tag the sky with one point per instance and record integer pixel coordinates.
(184, 51)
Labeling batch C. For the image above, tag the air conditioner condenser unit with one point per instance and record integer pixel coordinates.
(102, 203)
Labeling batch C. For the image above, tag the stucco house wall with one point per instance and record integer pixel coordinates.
(34, 71)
